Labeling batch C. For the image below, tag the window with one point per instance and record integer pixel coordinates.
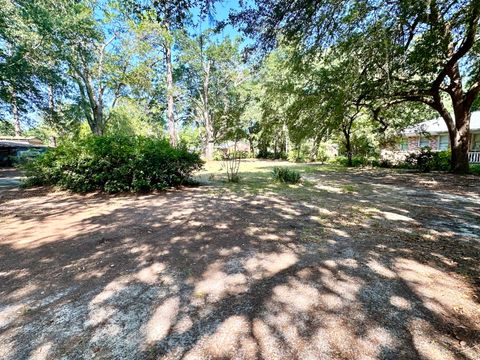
(443, 142)
(404, 145)
(424, 142)
(476, 142)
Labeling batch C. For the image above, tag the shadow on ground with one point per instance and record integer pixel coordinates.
(370, 265)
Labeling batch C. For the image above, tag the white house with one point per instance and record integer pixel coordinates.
(434, 134)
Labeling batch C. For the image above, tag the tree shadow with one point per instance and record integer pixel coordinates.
(214, 274)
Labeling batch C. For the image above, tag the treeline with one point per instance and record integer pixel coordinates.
(350, 72)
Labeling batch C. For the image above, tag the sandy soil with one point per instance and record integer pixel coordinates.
(9, 177)
(361, 265)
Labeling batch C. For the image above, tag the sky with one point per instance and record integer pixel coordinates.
(222, 10)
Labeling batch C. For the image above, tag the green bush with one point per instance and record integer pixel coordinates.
(265, 154)
(357, 161)
(427, 160)
(441, 160)
(286, 175)
(475, 169)
(113, 164)
(297, 156)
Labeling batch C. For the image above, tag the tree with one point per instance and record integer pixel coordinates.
(6, 128)
(420, 51)
(170, 17)
(25, 44)
(99, 61)
(314, 96)
(213, 75)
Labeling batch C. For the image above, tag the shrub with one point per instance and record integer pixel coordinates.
(113, 164)
(25, 156)
(427, 160)
(441, 160)
(231, 164)
(265, 154)
(286, 175)
(475, 169)
(322, 154)
(357, 161)
(392, 158)
(297, 156)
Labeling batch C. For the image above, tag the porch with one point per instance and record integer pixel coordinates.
(474, 157)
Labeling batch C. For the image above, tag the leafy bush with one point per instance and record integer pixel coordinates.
(441, 160)
(297, 156)
(427, 160)
(475, 169)
(322, 154)
(286, 175)
(265, 154)
(231, 164)
(113, 164)
(357, 161)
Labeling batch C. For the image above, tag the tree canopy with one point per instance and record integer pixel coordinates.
(320, 71)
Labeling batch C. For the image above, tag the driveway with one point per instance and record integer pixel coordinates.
(356, 265)
(9, 178)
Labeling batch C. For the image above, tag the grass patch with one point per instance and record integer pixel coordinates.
(286, 175)
(312, 235)
(348, 188)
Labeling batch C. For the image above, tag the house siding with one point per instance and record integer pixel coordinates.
(413, 143)
(418, 134)
(434, 142)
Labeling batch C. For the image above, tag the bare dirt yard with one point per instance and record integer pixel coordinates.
(350, 264)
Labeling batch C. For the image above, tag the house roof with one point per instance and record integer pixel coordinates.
(26, 140)
(19, 144)
(438, 126)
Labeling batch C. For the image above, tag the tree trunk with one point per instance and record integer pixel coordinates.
(16, 114)
(51, 104)
(206, 115)
(170, 115)
(252, 147)
(460, 141)
(98, 120)
(315, 147)
(348, 147)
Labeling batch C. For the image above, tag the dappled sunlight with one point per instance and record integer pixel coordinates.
(427, 342)
(400, 302)
(215, 284)
(162, 320)
(110, 290)
(42, 352)
(438, 290)
(231, 340)
(394, 217)
(363, 271)
(329, 188)
(296, 296)
(8, 314)
(269, 264)
(381, 269)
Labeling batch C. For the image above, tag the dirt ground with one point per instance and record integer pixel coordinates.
(9, 177)
(353, 264)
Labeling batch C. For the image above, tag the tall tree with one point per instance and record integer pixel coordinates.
(170, 16)
(25, 38)
(421, 51)
(212, 74)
